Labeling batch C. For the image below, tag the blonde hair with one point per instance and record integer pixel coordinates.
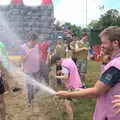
(112, 32)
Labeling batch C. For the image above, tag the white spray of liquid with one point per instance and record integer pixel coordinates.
(12, 68)
(31, 80)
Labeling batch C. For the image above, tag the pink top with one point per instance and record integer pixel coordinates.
(32, 63)
(74, 80)
(17, 1)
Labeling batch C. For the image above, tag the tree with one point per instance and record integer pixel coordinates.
(95, 24)
(74, 28)
(110, 18)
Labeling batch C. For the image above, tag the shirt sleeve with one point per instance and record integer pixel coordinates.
(65, 70)
(111, 76)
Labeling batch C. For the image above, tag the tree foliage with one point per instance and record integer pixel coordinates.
(74, 28)
(110, 18)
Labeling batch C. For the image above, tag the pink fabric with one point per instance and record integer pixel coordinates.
(74, 80)
(32, 64)
(104, 106)
(47, 1)
(17, 1)
(43, 1)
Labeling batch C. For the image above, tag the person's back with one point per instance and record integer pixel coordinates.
(74, 80)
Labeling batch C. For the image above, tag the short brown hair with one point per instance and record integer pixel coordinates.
(112, 32)
(54, 59)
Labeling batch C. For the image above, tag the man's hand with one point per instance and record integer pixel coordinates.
(116, 103)
(63, 94)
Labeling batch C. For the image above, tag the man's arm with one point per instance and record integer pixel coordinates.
(78, 49)
(81, 49)
(108, 79)
(98, 90)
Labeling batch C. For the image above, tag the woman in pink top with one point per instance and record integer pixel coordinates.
(109, 83)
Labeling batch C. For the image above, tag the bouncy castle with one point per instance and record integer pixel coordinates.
(18, 19)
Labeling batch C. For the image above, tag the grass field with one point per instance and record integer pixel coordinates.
(85, 107)
(19, 110)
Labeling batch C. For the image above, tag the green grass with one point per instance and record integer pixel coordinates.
(85, 107)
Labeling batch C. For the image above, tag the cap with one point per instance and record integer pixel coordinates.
(59, 37)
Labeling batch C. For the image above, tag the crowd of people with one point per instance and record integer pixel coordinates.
(70, 60)
(108, 84)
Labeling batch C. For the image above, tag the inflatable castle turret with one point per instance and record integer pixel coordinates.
(22, 18)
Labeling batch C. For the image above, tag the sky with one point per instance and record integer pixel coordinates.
(74, 11)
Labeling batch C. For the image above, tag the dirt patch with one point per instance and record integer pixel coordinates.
(46, 107)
